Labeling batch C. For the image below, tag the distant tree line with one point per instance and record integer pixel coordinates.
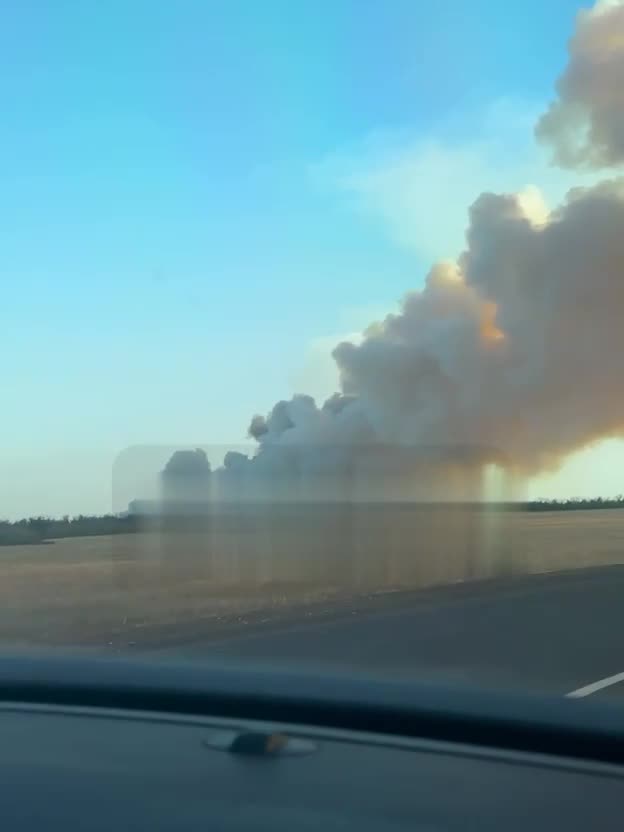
(39, 529)
(576, 504)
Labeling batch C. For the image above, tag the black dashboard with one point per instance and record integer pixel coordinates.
(90, 744)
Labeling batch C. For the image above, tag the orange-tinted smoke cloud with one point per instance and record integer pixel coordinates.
(514, 351)
(489, 329)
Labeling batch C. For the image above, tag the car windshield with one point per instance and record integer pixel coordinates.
(311, 336)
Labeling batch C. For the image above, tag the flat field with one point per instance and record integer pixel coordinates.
(169, 585)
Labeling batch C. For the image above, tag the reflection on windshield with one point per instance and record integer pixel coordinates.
(212, 209)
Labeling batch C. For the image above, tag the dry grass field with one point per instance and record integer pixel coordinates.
(119, 590)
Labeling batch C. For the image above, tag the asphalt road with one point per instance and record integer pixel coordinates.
(556, 633)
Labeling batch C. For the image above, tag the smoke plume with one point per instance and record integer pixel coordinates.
(186, 476)
(512, 354)
(585, 124)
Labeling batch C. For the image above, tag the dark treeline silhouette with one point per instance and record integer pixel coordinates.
(39, 529)
(575, 504)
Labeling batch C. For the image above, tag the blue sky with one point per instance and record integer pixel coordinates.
(177, 241)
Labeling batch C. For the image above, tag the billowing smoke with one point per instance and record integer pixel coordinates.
(511, 355)
(585, 124)
(186, 476)
(517, 345)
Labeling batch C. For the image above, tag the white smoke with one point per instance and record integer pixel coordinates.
(517, 346)
(510, 354)
(585, 124)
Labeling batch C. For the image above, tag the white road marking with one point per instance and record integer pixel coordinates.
(587, 690)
